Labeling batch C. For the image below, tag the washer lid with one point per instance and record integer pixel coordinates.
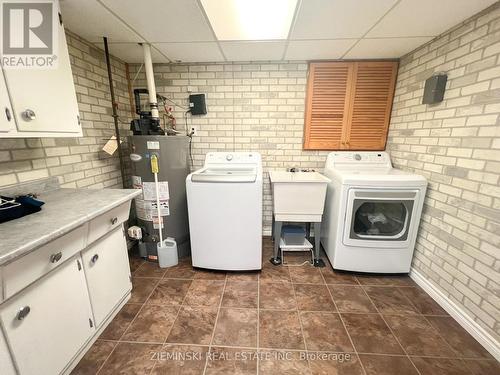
(225, 174)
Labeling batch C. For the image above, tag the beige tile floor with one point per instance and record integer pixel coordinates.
(281, 320)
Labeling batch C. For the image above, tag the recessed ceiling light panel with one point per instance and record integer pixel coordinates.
(250, 19)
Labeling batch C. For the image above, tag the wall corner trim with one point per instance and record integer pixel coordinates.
(467, 323)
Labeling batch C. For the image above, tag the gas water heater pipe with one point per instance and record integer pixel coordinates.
(155, 170)
(150, 79)
(153, 105)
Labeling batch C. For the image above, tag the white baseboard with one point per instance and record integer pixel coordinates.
(478, 332)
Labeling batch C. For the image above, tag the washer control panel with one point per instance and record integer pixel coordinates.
(233, 158)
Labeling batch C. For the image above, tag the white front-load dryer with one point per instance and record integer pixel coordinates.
(372, 213)
(225, 212)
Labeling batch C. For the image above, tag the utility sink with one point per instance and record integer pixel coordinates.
(298, 196)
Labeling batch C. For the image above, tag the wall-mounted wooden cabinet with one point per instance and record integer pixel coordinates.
(348, 105)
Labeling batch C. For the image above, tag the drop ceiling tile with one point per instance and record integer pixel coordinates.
(92, 21)
(335, 19)
(253, 51)
(164, 20)
(426, 17)
(132, 52)
(191, 52)
(385, 47)
(250, 19)
(318, 49)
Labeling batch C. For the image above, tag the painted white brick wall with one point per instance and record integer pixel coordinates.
(251, 107)
(260, 107)
(456, 145)
(77, 162)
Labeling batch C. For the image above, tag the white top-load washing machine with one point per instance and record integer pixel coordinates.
(225, 211)
(372, 213)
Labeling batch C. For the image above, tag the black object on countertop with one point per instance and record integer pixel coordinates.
(14, 208)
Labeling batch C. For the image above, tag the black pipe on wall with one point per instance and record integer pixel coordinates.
(115, 114)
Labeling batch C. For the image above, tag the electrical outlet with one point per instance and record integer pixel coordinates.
(193, 130)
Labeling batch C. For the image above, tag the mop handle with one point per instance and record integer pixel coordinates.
(154, 169)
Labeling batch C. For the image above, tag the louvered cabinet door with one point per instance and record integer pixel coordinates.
(370, 105)
(328, 90)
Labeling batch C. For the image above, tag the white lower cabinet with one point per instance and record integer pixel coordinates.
(47, 323)
(59, 297)
(108, 273)
(6, 364)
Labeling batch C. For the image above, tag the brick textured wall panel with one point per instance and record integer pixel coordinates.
(77, 162)
(456, 145)
(251, 107)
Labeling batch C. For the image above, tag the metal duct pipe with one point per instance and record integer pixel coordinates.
(150, 78)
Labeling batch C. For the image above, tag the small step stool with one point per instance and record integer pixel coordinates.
(306, 246)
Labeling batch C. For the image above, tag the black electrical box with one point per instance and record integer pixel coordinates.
(197, 104)
(434, 89)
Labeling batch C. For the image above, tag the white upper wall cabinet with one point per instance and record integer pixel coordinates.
(44, 101)
(7, 122)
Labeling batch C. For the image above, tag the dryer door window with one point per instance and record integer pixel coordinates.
(379, 218)
(382, 220)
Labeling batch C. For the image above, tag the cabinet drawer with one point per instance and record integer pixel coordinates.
(47, 323)
(108, 221)
(22, 272)
(107, 271)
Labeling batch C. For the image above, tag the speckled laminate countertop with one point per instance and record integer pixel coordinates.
(64, 210)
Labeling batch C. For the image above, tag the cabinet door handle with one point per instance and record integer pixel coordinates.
(29, 115)
(23, 312)
(7, 114)
(94, 258)
(114, 220)
(54, 258)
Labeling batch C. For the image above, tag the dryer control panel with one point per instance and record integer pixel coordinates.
(356, 158)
